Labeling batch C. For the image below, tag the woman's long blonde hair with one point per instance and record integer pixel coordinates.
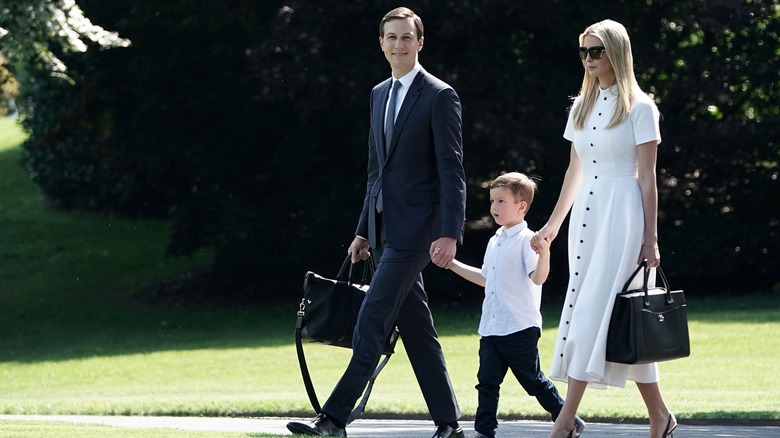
(617, 45)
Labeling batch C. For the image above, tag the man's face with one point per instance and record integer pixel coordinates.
(400, 45)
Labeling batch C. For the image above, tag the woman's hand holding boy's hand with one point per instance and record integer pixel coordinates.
(547, 232)
(541, 245)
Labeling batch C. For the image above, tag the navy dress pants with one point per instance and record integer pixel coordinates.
(518, 352)
(396, 296)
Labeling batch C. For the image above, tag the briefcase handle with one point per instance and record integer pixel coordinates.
(368, 270)
(669, 299)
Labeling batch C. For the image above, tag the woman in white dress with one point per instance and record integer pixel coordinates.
(610, 188)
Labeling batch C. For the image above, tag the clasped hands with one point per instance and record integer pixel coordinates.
(443, 251)
(540, 243)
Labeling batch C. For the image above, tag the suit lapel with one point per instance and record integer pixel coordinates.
(406, 107)
(379, 121)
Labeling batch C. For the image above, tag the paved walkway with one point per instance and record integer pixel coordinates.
(394, 428)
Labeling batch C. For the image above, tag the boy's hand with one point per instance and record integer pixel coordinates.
(436, 251)
(443, 251)
(535, 242)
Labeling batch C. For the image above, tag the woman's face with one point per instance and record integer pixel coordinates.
(600, 68)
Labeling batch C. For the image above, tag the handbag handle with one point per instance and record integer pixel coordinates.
(669, 299)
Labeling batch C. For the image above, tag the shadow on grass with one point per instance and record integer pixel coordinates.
(145, 330)
(132, 329)
(54, 336)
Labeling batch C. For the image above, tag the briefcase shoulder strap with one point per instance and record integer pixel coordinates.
(302, 361)
(307, 377)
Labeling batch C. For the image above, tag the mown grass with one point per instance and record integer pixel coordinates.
(36, 429)
(73, 340)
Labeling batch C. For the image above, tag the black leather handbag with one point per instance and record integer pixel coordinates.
(648, 324)
(327, 315)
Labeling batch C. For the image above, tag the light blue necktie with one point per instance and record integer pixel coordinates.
(389, 124)
(390, 116)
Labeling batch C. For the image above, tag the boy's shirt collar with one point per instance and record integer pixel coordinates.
(511, 231)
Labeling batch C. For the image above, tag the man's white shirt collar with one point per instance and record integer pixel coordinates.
(407, 79)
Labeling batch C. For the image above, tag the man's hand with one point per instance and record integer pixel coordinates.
(443, 251)
(359, 249)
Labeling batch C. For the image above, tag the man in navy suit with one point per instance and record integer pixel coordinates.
(413, 213)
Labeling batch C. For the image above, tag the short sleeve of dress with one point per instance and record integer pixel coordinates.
(645, 121)
(568, 134)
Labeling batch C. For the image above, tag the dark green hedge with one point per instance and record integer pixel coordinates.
(245, 123)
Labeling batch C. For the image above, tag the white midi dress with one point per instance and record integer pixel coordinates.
(606, 229)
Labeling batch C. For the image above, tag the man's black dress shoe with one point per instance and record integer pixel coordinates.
(321, 426)
(446, 431)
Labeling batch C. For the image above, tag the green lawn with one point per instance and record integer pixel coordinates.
(74, 341)
(36, 429)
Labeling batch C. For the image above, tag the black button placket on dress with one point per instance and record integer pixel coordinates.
(584, 224)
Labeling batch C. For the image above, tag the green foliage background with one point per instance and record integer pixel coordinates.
(245, 123)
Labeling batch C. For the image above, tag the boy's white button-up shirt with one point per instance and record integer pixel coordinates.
(512, 300)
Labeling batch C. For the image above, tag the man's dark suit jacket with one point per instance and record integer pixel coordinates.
(421, 176)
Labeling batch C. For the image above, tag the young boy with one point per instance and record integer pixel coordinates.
(512, 274)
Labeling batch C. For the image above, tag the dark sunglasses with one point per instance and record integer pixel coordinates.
(595, 52)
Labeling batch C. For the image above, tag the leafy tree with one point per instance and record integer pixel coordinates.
(9, 88)
(715, 71)
(37, 35)
(28, 27)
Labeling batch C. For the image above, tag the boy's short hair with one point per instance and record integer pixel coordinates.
(521, 186)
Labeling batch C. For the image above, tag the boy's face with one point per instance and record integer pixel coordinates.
(505, 208)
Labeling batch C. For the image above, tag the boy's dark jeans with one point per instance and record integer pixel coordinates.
(518, 352)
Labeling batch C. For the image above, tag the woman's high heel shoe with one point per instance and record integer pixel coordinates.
(669, 431)
(579, 426)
